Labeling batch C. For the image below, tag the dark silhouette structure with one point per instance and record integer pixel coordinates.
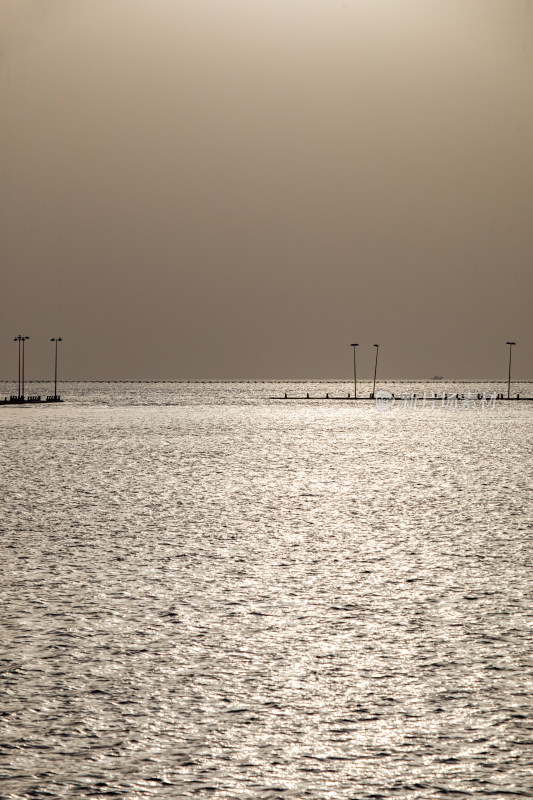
(509, 379)
(20, 339)
(375, 370)
(354, 371)
(19, 398)
(59, 339)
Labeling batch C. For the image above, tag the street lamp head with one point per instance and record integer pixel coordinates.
(356, 344)
(376, 345)
(510, 342)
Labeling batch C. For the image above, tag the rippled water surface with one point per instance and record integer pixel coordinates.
(209, 593)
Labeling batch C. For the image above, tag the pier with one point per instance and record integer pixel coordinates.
(34, 399)
(409, 397)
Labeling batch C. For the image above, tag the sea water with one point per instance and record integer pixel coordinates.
(210, 593)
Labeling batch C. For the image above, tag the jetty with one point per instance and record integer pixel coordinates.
(20, 399)
(32, 399)
(445, 397)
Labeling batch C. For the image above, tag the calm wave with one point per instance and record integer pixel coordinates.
(207, 593)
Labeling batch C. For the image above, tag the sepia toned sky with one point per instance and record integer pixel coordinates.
(242, 188)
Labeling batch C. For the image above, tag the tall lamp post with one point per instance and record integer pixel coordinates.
(354, 372)
(59, 339)
(23, 340)
(375, 370)
(20, 339)
(509, 379)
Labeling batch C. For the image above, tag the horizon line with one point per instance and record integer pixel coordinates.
(266, 380)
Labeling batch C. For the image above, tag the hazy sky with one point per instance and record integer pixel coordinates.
(242, 188)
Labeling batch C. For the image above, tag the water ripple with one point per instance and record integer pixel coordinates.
(243, 600)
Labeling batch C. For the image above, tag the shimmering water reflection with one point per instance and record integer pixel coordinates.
(249, 599)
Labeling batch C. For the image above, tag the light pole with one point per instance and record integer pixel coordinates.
(20, 339)
(59, 339)
(354, 372)
(509, 379)
(375, 370)
(17, 339)
(23, 339)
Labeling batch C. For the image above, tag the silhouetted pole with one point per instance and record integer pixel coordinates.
(375, 369)
(23, 339)
(509, 379)
(55, 371)
(18, 339)
(354, 372)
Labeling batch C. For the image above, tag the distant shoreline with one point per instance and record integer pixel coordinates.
(271, 380)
